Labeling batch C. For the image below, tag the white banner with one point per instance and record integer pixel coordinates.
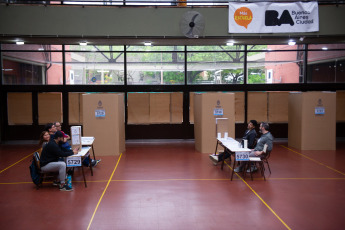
(267, 17)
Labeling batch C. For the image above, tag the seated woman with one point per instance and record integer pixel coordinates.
(43, 140)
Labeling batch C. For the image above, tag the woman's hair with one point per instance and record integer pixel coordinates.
(40, 142)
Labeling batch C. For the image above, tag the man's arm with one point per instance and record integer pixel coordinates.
(60, 153)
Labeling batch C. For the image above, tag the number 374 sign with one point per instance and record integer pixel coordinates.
(73, 161)
(242, 156)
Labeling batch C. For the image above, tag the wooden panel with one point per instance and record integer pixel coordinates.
(19, 108)
(239, 107)
(159, 108)
(257, 106)
(74, 108)
(295, 120)
(176, 108)
(340, 105)
(278, 107)
(138, 108)
(191, 107)
(49, 108)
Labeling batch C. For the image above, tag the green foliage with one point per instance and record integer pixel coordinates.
(173, 77)
(256, 76)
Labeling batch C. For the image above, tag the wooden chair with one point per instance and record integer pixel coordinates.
(43, 175)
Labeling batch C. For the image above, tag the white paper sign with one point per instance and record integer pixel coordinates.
(73, 161)
(75, 139)
(242, 156)
(269, 17)
(76, 136)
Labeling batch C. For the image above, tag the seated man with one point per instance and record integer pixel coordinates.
(66, 137)
(50, 159)
(249, 135)
(58, 128)
(68, 147)
(266, 138)
(51, 129)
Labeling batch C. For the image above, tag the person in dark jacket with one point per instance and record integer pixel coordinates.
(259, 150)
(50, 155)
(249, 135)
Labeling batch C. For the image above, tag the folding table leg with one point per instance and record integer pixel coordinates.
(82, 169)
(215, 151)
(90, 165)
(93, 152)
(233, 167)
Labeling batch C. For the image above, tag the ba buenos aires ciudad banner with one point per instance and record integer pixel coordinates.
(268, 17)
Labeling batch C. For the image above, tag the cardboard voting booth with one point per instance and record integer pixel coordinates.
(104, 119)
(207, 108)
(312, 121)
(76, 137)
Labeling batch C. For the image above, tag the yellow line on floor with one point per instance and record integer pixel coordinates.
(318, 162)
(17, 162)
(16, 183)
(171, 180)
(262, 200)
(106, 187)
(304, 179)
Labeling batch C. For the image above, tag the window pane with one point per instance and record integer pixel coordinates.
(155, 48)
(325, 66)
(215, 68)
(31, 47)
(275, 67)
(326, 46)
(32, 68)
(95, 68)
(215, 48)
(94, 48)
(155, 68)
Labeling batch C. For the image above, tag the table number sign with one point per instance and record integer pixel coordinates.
(73, 161)
(242, 156)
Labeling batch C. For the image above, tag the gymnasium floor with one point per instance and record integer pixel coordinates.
(168, 185)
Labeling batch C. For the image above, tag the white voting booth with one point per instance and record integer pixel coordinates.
(75, 160)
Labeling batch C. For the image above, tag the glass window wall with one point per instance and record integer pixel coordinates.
(159, 68)
(271, 66)
(215, 67)
(32, 68)
(95, 65)
(326, 65)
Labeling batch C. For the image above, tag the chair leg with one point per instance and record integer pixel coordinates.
(268, 165)
(262, 169)
(250, 169)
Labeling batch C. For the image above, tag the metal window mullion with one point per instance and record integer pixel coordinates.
(245, 85)
(305, 65)
(125, 91)
(186, 92)
(63, 65)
